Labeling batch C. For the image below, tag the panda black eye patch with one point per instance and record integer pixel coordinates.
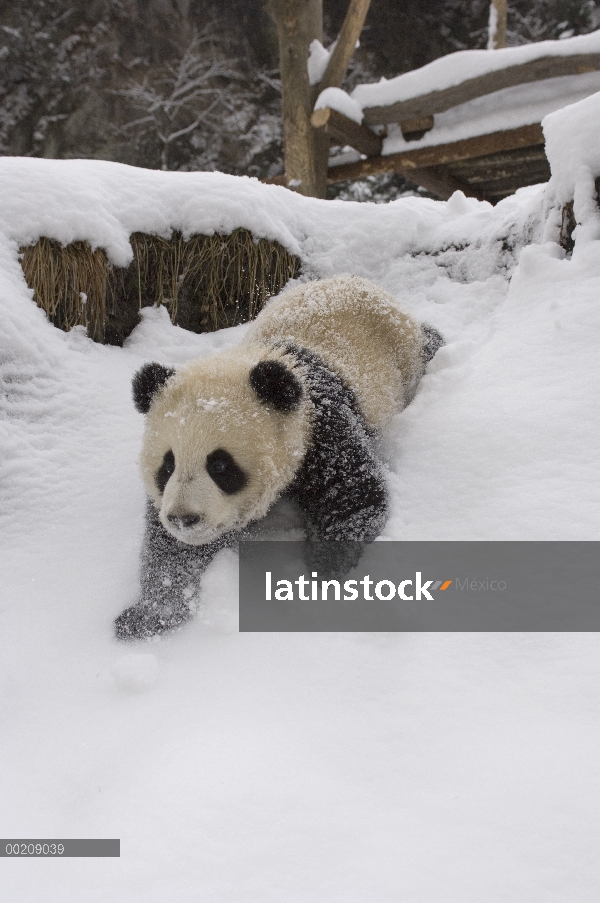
(165, 471)
(222, 468)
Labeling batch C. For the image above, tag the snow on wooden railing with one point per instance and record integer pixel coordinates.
(459, 77)
(413, 99)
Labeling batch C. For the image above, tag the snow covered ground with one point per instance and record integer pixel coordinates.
(303, 767)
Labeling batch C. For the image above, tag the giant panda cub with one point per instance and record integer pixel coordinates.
(295, 409)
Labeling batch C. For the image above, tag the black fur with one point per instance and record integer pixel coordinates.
(227, 474)
(433, 342)
(169, 576)
(165, 471)
(340, 485)
(147, 382)
(276, 385)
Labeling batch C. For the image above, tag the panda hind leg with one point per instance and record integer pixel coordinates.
(432, 342)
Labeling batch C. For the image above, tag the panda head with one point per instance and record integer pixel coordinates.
(224, 438)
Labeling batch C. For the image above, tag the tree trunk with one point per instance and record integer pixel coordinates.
(299, 22)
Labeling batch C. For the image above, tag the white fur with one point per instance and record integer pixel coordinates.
(356, 328)
(350, 323)
(210, 404)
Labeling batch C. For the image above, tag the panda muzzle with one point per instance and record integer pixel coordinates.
(184, 521)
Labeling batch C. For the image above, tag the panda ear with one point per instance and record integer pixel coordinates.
(276, 385)
(147, 382)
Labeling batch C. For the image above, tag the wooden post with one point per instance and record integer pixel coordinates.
(298, 23)
(497, 25)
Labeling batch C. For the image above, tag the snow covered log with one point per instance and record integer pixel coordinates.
(439, 101)
(463, 76)
(342, 130)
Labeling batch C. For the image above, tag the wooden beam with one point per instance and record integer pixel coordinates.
(281, 179)
(438, 154)
(414, 129)
(434, 179)
(342, 130)
(524, 163)
(440, 182)
(344, 48)
(438, 101)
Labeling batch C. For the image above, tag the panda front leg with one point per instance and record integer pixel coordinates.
(345, 503)
(354, 511)
(169, 575)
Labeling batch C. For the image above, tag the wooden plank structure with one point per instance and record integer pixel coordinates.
(488, 167)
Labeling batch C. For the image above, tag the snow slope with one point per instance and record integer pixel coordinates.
(322, 767)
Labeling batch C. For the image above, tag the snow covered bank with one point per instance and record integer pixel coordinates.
(300, 767)
(103, 203)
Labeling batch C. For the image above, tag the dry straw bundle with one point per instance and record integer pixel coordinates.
(69, 283)
(206, 282)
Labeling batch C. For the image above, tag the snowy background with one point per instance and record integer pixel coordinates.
(330, 767)
(114, 80)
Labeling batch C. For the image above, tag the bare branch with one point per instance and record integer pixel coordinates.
(497, 25)
(136, 122)
(186, 96)
(190, 128)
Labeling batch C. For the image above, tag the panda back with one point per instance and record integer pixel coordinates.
(359, 331)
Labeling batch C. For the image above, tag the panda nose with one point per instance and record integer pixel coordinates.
(184, 520)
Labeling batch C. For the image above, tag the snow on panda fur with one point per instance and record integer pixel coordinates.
(296, 409)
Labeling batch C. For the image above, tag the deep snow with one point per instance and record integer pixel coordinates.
(322, 767)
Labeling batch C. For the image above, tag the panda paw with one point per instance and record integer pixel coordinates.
(140, 622)
(333, 560)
